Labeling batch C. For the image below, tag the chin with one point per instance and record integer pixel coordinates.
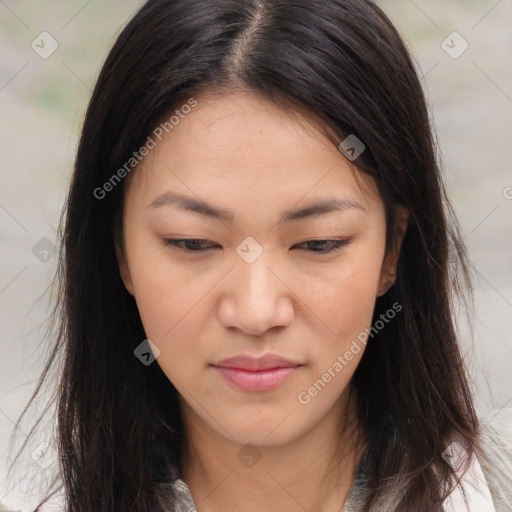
(270, 432)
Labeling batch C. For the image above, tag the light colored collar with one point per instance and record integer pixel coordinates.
(472, 494)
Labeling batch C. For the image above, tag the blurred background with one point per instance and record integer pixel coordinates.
(50, 55)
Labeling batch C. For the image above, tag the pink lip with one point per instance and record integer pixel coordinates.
(256, 374)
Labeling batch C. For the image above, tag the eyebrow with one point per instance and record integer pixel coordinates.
(318, 207)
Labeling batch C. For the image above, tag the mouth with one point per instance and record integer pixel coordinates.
(256, 374)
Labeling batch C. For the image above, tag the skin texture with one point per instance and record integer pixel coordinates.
(243, 154)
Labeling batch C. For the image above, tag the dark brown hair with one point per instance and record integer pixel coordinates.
(119, 433)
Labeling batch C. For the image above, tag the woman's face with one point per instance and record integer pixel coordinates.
(256, 185)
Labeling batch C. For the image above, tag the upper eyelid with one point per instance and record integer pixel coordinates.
(174, 241)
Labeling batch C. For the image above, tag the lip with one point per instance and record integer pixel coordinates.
(256, 374)
(265, 362)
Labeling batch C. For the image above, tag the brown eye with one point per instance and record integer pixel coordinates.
(188, 244)
(325, 246)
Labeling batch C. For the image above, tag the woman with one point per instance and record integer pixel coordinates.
(257, 276)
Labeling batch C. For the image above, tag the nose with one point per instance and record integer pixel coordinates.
(256, 297)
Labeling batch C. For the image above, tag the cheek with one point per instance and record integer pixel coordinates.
(167, 294)
(172, 314)
(345, 298)
(344, 301)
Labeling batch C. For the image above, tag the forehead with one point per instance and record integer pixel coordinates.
(241, 144)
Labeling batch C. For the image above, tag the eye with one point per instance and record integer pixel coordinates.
(188, 244)
(201, 245)
(325, 246)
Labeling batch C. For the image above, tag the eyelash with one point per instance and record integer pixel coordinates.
(174, 244)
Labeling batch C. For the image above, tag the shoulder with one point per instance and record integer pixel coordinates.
(185, 501)
(485, 476)
(496, 461)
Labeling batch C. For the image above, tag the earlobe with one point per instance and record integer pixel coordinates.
(124, 270)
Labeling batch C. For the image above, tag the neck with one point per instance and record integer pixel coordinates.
(313, 472)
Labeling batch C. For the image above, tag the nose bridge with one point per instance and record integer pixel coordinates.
(257, 297)
(252, 272)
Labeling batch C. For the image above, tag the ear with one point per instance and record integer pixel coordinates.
(124, 271)
(388, 270)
